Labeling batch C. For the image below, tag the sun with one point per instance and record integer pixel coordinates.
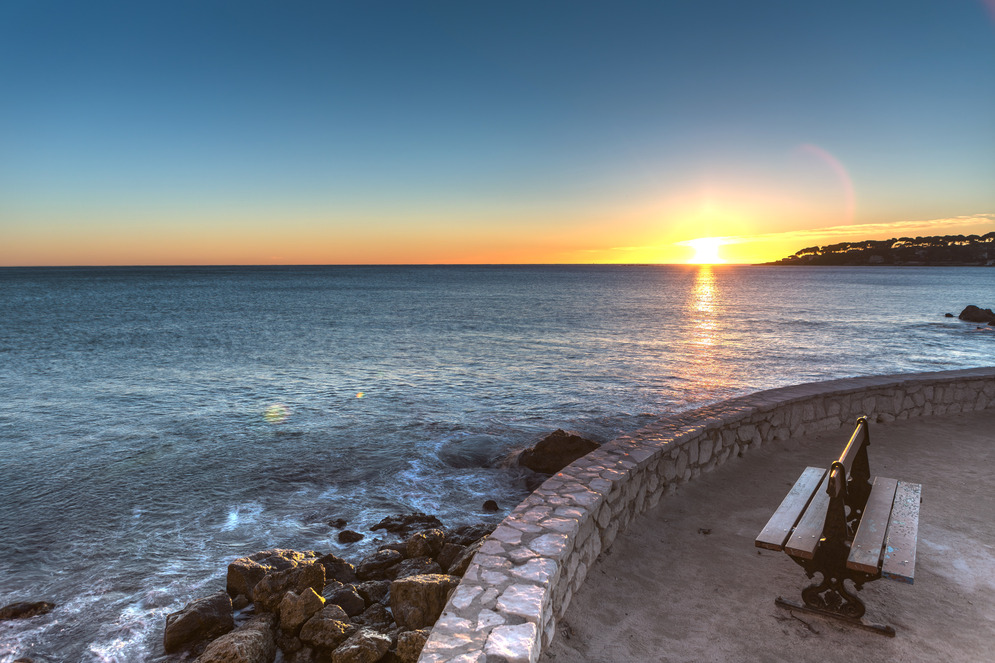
(706, 251)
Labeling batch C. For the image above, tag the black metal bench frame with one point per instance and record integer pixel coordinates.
(826, 532)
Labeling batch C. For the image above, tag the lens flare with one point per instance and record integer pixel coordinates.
(276, 414)
(360, 394)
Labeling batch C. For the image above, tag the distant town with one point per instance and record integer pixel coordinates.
(946, 250)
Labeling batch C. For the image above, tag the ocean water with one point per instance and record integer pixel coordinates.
(156, 423)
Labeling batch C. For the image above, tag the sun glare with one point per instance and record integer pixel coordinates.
(706, 251)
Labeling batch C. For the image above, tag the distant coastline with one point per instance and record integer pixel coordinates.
(939, 251)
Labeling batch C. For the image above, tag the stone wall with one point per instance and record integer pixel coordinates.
(521, 580)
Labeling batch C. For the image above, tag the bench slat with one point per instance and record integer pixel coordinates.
(778, 528)
(900, 544)
(865, 551)
(805, 539)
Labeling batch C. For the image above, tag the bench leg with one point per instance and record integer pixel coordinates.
(831, 598)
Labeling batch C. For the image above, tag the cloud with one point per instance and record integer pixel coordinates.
(867, 230)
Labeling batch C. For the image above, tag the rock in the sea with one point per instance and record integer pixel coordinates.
(374, 567)
(253, 642)
(25, 609)
(417, 601)
(405, 524)
(410, 644)
(349, 536)
(347, 598)
(416, 566)
(326, 629)
(337, 568)
(426, 543)
(198, 622)
(295, 609)
(269, 591)
(490, 506)
(363, 646)
(338, 523)
(974, 314)
(556, 451)
(948, 315)
(245, 572)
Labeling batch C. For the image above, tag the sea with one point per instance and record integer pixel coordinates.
(158, 422)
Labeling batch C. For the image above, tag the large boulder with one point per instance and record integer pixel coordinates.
(403, 525)
(426, 543)
(556, 451)
(337, 568)
(295, 609)
(448, 554)
(376, 566)
(373, 591)
(467, 534)
(25, 610)
(269, 591)
(974, 314)
(198, 622)
(346, 597)
(410, 644)
(327, 629)
(253, 642)
(462, 562)
(417, 601)
(416, 566)
(364, 646)
(245, 572)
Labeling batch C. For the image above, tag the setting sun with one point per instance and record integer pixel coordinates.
(706, 250)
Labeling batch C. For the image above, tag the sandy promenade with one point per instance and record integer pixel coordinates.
(685, 582)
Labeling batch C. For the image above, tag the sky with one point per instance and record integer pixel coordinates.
(198, 132)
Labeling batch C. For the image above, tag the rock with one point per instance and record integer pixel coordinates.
(405, 524)
(374, 566)
(417, 601)
(25, 610)
(363, 646)
(198, 622)
(347, 598)
(349, 536)
(252, 642)
(462, 562)
(556, 451)
(338, 523)
(239, 602)
(337, 568)
(449, 553)
(295, 609)
(534, 480)
(426, 543)
(269, 591)
(410, 644)
(326, 629)
(288, 644)
(415, 566)
(467, 534)
(948, 315)
(374, 591)
(302, 655)
(245, 572)
(974, 314)
(490, 506)
(375, 615)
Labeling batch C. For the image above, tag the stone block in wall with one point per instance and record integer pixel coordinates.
(668, 469)
(705, 451)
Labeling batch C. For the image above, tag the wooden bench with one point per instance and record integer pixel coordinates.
(841, 525)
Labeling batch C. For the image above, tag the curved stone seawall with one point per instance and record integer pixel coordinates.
(521, 580)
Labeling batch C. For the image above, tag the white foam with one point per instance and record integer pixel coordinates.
(242, 514)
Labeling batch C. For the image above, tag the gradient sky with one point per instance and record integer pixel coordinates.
(504, 132)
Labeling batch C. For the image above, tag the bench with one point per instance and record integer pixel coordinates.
(840, 524)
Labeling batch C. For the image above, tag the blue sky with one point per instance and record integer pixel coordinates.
(481, 132)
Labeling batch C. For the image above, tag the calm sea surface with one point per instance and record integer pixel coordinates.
(156, 423)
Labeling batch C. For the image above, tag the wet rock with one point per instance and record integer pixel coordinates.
(467, 534)
(25, 610)
(198, 622)
(449, 553)
(374, 591)
(337, 568)
(374, 567)
(426, 543)
(245, 572)
(416, 566)
(974, 314)
(349, 536)
(417, 601)
(295, 609)
(410, 644)
(490, 506)
(948, 315)
(364, 646)
(347, 598)
(269, 591)
(253, 642)
(326, 629)
(556, 451)
(405, 524)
